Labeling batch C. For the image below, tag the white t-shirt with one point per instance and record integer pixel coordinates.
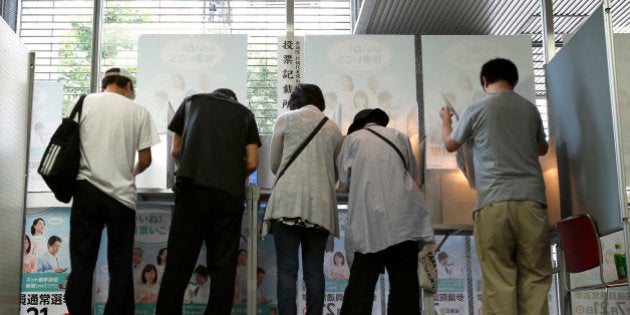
(112, 129)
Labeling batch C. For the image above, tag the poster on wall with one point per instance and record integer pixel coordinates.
(598, 302)
(149, 259)
(172, 67)
(266, 273)
(290, 68)
(451, 65)
(365, 71)
(477, 279)
(150, 256)
(45, 261)
(336, 274)
(46, 117)
(452, 296)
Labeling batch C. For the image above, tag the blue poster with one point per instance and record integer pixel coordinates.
(45, 261)
(452, 296)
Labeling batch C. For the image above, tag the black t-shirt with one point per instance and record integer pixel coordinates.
(213, 148)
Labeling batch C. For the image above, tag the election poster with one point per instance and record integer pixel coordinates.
(45, 261)
(450, 70)
(172, 67)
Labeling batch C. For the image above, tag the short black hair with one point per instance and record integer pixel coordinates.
(226, 92)
(306, 94)
(499, 69)
(53, 239)
(119, 80)
(260, 270)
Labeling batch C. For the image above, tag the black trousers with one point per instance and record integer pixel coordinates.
(200, 214)
(401, 262)
(91, 211)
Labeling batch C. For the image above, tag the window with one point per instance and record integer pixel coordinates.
(60, 32)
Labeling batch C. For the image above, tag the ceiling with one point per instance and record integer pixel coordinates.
(480, 17)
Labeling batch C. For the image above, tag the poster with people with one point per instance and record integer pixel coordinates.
(148, 261)
(336, 274)
(452, 296)
(150, 256)
(365, 71)
(450, 67)
(477, 279)
(46, 117)
(266, 273)
(45, 261)
(172, 67)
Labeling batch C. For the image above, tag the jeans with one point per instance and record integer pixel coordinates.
(401, 262)
(288, 239)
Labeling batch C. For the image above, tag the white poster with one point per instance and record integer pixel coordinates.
(172, 67)
(46, 117)
(365, 71)
(450, 69)
(290, 67)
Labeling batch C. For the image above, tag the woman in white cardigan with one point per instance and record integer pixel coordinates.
(302, 208)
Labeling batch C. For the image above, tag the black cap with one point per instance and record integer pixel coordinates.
(375, 115)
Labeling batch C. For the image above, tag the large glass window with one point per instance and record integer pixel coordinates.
(60, 32)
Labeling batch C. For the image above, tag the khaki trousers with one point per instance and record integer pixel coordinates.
(513, 247)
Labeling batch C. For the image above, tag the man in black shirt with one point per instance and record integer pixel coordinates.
(215, 145)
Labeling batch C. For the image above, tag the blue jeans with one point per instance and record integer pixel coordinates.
(287, 240)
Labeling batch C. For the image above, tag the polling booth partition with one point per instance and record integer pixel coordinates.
(15, 102)
(588, 128)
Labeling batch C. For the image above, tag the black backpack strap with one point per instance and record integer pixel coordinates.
(78, 108)
(301, 147)
(390, 144)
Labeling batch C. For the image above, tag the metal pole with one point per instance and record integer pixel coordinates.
(97, 15)
(549, 42)
(253, 195)
(290, 17)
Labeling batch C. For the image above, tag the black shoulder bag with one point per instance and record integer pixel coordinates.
(301, 147)
(60, 164)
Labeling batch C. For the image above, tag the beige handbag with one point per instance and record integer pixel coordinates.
(427, 268)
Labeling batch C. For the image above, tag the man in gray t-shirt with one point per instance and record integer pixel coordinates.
(510, 216)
